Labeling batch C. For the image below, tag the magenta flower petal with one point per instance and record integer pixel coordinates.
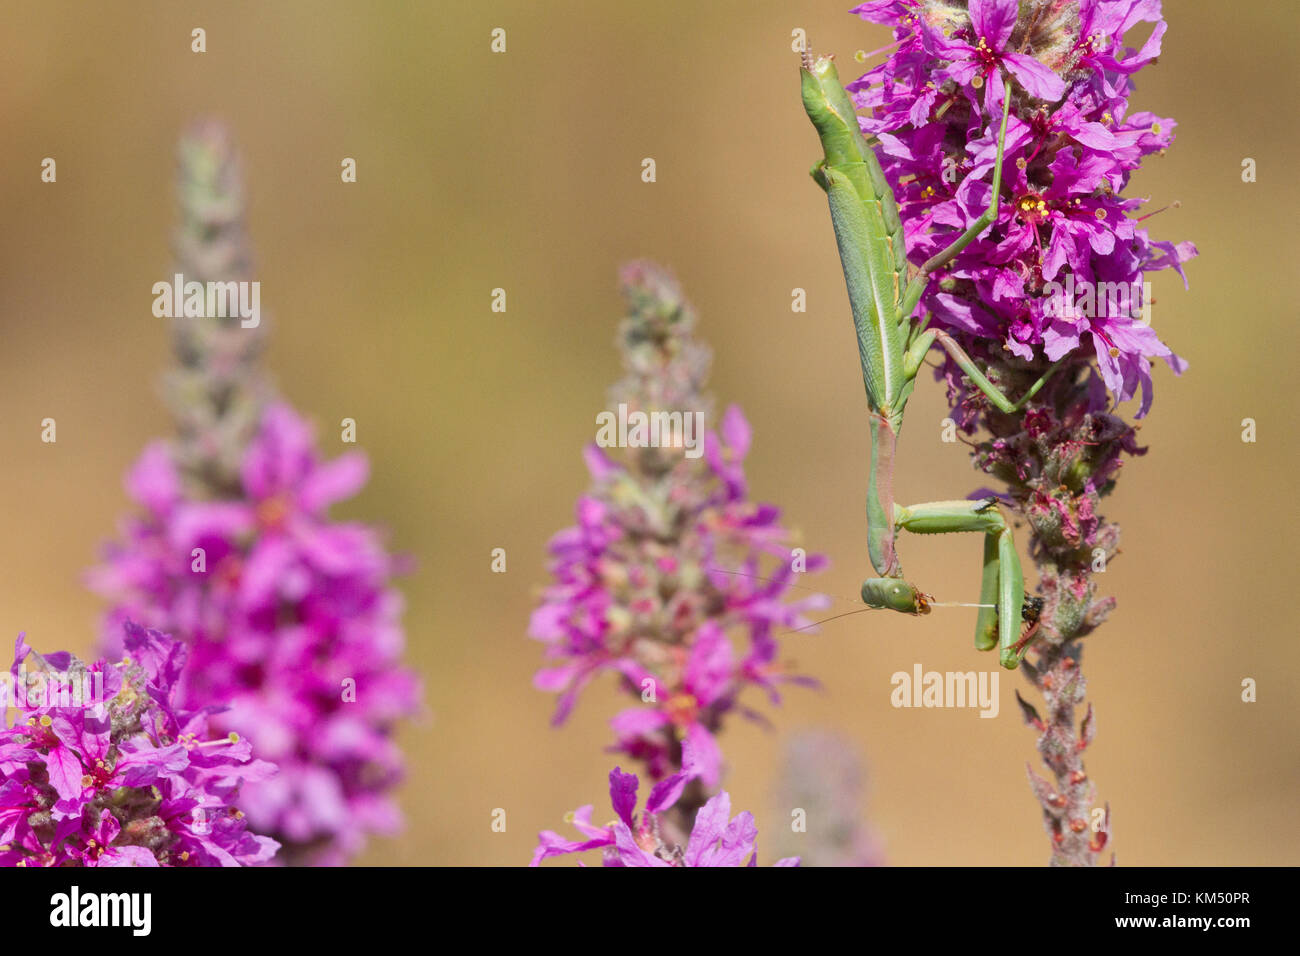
(64, 770)
(636, 721)
(668, 791)
(127, 856)
(715, 840)
(281, 457)
(622, 794)
(993, 20)
(1040, 80)
(736, 431)
(333, 481)
(552, 844)
(708, 755)
(153, 482)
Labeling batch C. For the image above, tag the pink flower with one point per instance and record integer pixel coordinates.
(655, 609)
(120, 776)
(991, 24)
(1072, 145)
(291, 623)
(669, 560)
(636, 840)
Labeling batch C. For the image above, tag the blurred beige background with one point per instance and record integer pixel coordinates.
(522, 171)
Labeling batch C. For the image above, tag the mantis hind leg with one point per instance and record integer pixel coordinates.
(986, 623)
(1011, 599)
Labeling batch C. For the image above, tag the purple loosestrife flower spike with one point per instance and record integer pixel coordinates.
(102, 768)
(716, 839)
(290, 617)
(1061, 270)
(668, 556)
(1058, 277)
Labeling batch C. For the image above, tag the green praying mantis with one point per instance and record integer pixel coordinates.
(892, 348)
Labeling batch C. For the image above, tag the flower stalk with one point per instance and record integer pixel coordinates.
(290, 617)
(1056, 461)
(668, 559)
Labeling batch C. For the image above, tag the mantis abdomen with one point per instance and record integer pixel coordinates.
(868, 231)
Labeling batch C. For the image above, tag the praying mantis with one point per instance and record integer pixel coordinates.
(892, 348)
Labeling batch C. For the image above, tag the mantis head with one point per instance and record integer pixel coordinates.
(894, 594)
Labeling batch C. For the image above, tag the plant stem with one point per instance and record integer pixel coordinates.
(1059, 457)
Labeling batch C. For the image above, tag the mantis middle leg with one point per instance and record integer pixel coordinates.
(1002, 588)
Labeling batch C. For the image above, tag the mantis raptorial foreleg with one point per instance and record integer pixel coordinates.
(892, 348)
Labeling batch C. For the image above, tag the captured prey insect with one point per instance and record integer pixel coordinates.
(892, 347)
